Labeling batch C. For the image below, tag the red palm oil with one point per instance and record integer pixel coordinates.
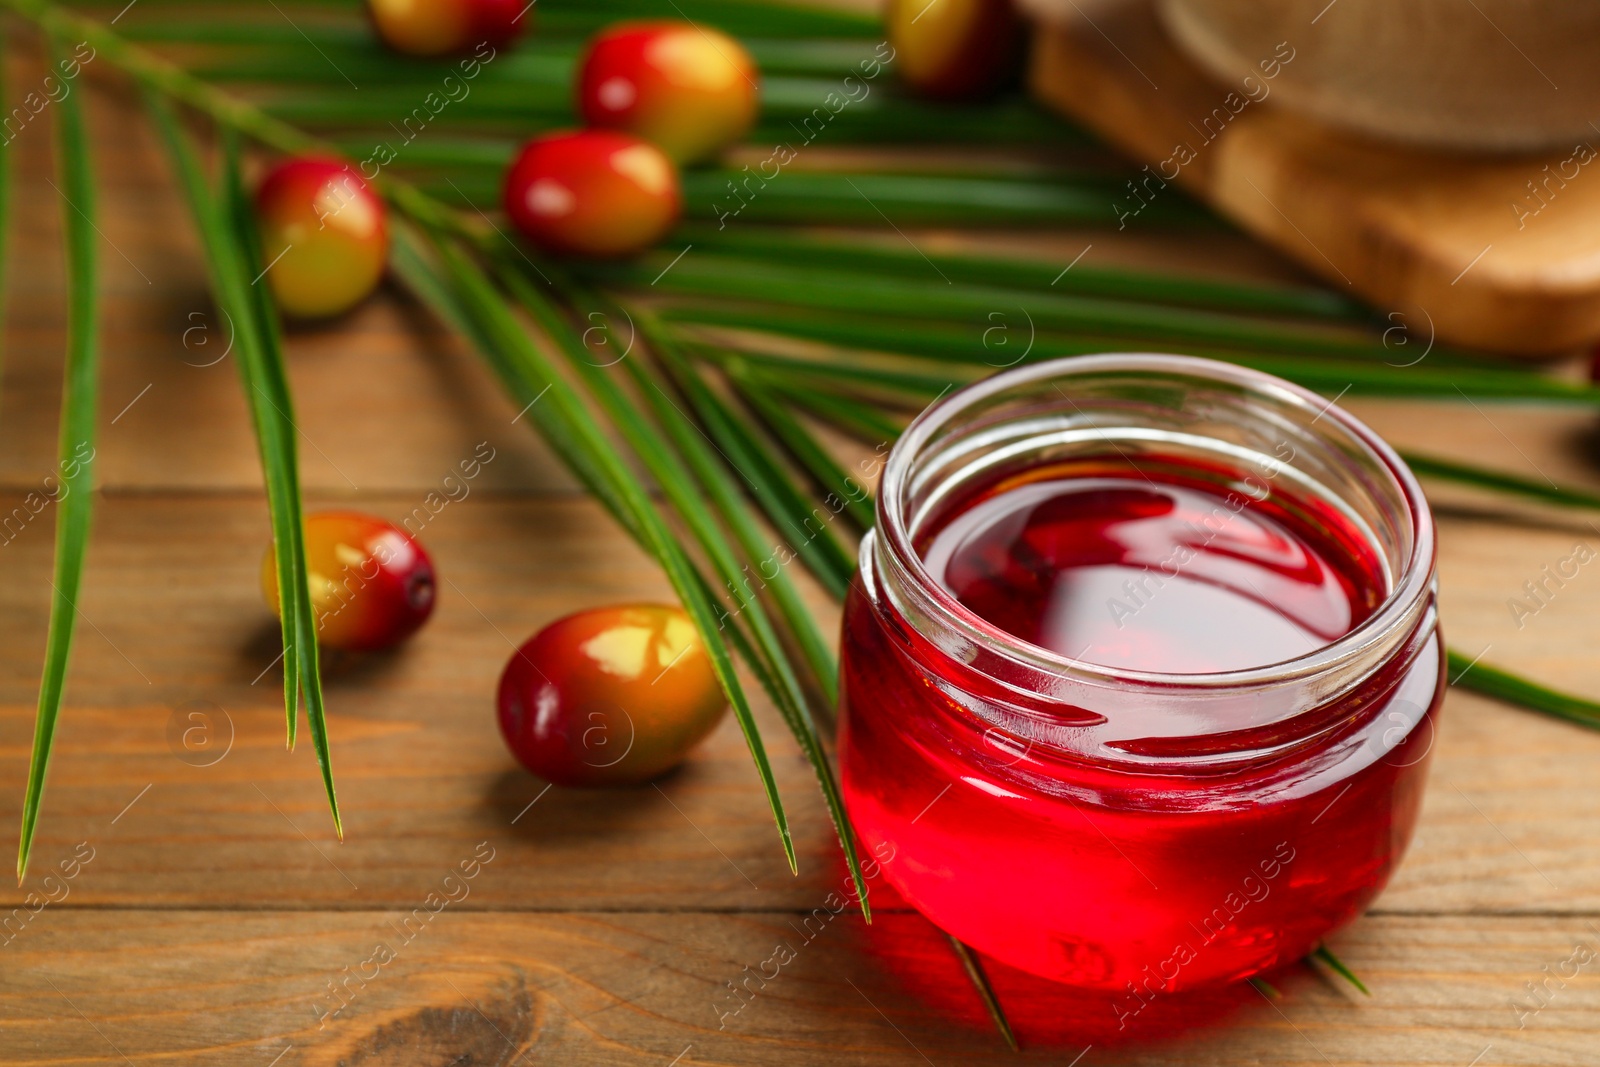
(1140, 671)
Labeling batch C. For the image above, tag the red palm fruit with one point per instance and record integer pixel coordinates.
(689, 89)
(446, 27)
(372, 584)
(609, 696)
(324, 236)
(955, 49)
(592, 193)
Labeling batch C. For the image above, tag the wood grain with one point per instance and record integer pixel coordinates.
(226, 988)
(1434, 236)
(385, 399)
(216, 907)
(422, 770)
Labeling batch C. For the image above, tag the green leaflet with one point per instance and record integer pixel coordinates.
(1469, 673)
(79, 400)
(227, 230)
(1483, 478)
(822, 467)
(559, 413)
(668, 458)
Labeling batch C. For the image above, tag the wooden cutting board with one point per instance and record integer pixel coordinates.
(1458, 245)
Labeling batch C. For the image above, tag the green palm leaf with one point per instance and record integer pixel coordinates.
(839, 198)
(1468, 672)
(721, 485)
(909, 376)
(559, 413)
(1499, 481)
(853, 253)
(805, 448)
(79, 399)
(791, 512)
(668, 458)
(862, 293)
(227, 231)
(863, 298)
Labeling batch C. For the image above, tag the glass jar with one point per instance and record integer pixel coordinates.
(1099, 819)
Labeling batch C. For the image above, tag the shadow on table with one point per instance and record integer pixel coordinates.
(572, 813)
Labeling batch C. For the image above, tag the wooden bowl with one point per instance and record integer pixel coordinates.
(1480, 75)
(1498, 75)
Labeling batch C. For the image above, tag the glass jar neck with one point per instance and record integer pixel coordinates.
(1259, 438)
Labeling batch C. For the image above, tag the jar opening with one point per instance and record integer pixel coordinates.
(1244, 434)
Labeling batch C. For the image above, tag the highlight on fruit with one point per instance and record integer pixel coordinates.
(596, 193)
(689, 89)
(609, 696)
(324, 236)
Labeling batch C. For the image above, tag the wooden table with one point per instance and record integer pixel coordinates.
(210, 917)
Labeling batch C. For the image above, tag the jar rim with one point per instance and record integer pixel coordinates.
(1410, 585)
